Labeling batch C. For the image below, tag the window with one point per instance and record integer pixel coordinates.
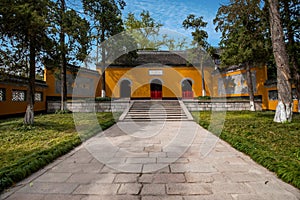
(2, 94)
(18, 95)
(38, 96)
(273, 95)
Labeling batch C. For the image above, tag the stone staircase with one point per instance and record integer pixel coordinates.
(157, 110)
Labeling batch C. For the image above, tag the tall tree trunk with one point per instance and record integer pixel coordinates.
(103, 61)
(250, 87)
(285, 103)
(296, 77)
(63, 77)
(29, 115)
(292, 52)
(202, 77)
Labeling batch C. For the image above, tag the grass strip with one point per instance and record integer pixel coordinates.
(26, 149)
(275, 146)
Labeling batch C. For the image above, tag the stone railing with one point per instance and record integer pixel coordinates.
(81, 106)
(220, 105)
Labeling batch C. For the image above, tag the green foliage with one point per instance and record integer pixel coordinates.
(106, 21)
(289, 11)
(23, 23)
(204, 98)
(291, 24)
(273, 145)
(102, 99)
(146, 33)
(199, 35)
(75, 30)
(24, 38)
(243, 27)
(243, 40)
(105, 16)
(26, 149)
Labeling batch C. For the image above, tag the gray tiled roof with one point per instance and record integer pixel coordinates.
(147, 57)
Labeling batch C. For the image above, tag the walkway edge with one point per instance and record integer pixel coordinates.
(185, 110)
(122, 117)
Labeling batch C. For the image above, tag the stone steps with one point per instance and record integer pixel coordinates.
(156, 111)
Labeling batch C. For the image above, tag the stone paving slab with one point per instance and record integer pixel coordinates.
(171, 161)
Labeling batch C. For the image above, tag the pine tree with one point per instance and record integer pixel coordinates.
(243, 37)
(199, 40)
(24, 31)
(290, 15)
(106, 22)
(285, 103)
(67, 25)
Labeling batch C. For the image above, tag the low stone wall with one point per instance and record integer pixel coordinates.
(113, 106)
(120, 106)
(220, 105)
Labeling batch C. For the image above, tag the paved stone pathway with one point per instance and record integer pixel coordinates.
(153, 160)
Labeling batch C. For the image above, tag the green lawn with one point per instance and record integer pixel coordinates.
(273, 145)
(25, 149)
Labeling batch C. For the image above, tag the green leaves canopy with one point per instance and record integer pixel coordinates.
(76, 33)
(145, 31)
(199, 35)
(21, 23)
(148, 35)
(105, 16)
(243, 28)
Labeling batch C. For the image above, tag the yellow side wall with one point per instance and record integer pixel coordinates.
(272, 104)
(14, 107)
(51, 76)
(261, 77)
(171, 78)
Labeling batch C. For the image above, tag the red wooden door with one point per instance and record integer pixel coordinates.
(187, 94)
(156, 89)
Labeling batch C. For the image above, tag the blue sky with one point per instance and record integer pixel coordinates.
(171, 13)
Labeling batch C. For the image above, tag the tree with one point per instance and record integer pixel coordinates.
(243, 37)
(285, 103)
(67, 25)
(145, 31)
(199, 35)
(199, 39)
(24, 29)
(63, 68)
(291, 24)
(106, 21)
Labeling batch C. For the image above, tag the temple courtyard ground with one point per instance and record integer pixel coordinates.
(153, 160)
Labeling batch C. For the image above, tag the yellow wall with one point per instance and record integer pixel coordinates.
(14, 107)
(51, 76)
(140, 79)
(171, 78)
(261, 77)
(272, 104)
